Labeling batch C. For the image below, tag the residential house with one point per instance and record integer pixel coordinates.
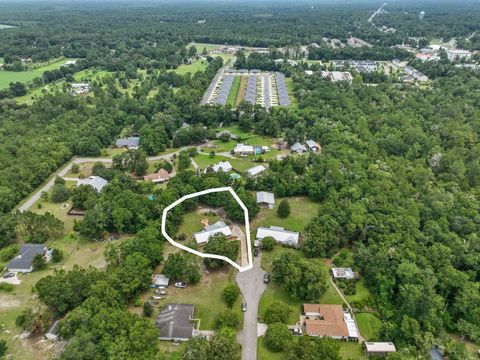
(254, 171)
(308, 72)
(326, 320)
(243, 149)
(298, 148)
(266, 199)
(160, 176)
(417, 75)
(343, 273)
(176, 322)
(23, 263)
(97, 182)
(132, 142)
(379, 348)
(219, 227)
(159, 281)
(224, 166)
(313, 146)
(279, 234)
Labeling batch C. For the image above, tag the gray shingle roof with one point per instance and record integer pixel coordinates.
(175, 321)
(129, 142)
(24, 261)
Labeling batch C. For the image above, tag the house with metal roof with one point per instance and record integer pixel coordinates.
(219, 227)
(132, 142)
(23, 263)
(254, 171)
(243, 149)
(298, 148)
(224, 166)
(97, 182)
(379, 348)
(313, 146)
(343, 273)
(279, 234)
(266, 199)
(176, 322)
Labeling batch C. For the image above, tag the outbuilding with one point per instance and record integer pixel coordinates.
(266, 199)
(379, 348)
(256, 170)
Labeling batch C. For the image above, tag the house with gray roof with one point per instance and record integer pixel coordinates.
(254, 171)
(203, 236)
(97, 182)
(313, 146)
(23, 263)
(132, 142)
(175, 322)
(298, 148)
(266, 198)
(280, 235)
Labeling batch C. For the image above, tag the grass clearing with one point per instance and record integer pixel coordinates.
(290, 87)
(369, 325)
(206, 160)
(351, 350)
(6, 77)
(362, 292)
(192, 222)
(207, 46)
(232, 95)
(199, 65)
(242, 90)
(263, 353)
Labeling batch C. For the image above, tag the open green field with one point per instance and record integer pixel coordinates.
(201, 46)
(238, 164)
(302, 210)
(351, 350)
(91, 74)
(369, 325)
(232, 96)
(6, 77)
(192, 222)
(362, 292)
(199, 65)
(290, 87)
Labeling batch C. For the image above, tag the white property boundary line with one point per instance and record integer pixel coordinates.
(212, 256)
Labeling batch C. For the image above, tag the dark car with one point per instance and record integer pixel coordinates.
(266, 278)
(8, 275)
(255, 252)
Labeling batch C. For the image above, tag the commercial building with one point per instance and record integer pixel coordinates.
(456, 54)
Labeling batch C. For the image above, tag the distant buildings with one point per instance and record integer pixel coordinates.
(160, 176)
(256, 170)
(97, 182)
(457, 54)
(323, 320)
(266, 199)
(280, 235)
(362, 66)
(356, 42)
(176, 322)
(203, 236)
(80, 88)
(23, 263)
(337, 76)
(415, 74)
(132, 142)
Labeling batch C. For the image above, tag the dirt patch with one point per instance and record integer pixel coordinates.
(241, 91)
(9, 301)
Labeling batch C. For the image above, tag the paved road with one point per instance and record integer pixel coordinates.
(252, 287)
(63, 171)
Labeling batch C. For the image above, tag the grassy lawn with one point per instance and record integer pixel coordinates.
(220, 146)
(191, 222)
(201, 46)
(263, 353)
(369, 325)
(6, 77)
(59, 210)
(362, 292)
(91, 74)
(350, 350)
(290, 86)
(85, 169)
(232, 96)
(238, 164)
(302, 210)
(331, 296)
(199, 65)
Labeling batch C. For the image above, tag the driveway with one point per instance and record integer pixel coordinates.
(252, 287)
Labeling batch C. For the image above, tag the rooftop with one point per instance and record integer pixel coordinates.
(129, 142)
(24, 261)
(175, 321)
(97, 182)
(265, 197)
(330, 320)
(382, 347)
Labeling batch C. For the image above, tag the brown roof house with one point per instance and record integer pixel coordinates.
(159, 177)
(328, 320)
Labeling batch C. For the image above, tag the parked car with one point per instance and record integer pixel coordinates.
(8, 275)
(157, 297)
(180, 285)
(160, 292)
(244, 306)
(266, 278)
(255, 252)
(297, 331)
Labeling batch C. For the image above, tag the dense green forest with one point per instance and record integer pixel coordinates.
(397, 181)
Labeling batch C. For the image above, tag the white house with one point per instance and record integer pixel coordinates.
(298, 148)
(203, 236)
(224, 166)
(243, 149)
(266, 198)
(313, 146)
(254, 171)
(96, 182)
(343, 273)
(279, 234)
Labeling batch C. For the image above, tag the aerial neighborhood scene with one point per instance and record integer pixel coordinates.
(239, 180)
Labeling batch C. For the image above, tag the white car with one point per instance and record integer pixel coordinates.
(180, 285)
(156, 297)
(160, 292)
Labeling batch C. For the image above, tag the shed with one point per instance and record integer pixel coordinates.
(266, 198)
(379, 348)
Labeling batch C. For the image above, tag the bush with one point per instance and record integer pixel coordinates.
(75, 169)
(268, 243)
(147, 309)
(227, 318)
(230, 294)
(39, 262)
(3, 348)
(8, 253)
(57, 256)
(6, 287)
(283, 209)
(277, 312)
(278, 337)
(59, 193)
